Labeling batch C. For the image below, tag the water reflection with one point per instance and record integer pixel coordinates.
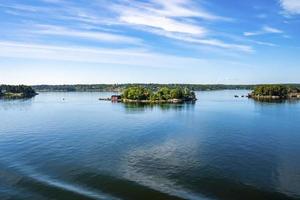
(191, 162)
(276, 101)
(23, 104)
(142, 107)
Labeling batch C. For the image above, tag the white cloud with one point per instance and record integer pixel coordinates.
(163, 23)
(207, 42)
(173, 19)
(92, 35)
(183, 8)
(49, 64)
(171, 16)
(124, 57)
(252, 33)
(21, 7)
(265, 43)
(219, 43)
(264, 30)
(269, 29)
(291, 6)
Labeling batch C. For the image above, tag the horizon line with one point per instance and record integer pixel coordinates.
(155, 84)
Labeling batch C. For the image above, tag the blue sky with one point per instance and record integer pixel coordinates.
(158, 41)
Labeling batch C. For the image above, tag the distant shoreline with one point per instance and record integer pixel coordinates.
(120, 87)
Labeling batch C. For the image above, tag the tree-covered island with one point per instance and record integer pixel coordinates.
(16, 91)
(141, 94)
(263, 92)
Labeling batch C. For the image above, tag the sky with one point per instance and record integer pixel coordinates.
(149, 41)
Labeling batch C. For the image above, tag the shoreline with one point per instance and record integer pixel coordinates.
(17, 96)
(173, 101)
(269, 97)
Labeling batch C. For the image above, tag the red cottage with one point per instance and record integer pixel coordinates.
(116, 98)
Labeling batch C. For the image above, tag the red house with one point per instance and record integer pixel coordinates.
(116, 98)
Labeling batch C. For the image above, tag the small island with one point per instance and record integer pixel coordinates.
(16, 92)
(139, 94)
(275, 92)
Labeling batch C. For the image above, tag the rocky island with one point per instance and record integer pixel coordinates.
(16, 91)
(139, 94)
(275, 92)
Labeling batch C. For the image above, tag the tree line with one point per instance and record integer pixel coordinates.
(164, 93)
(121, 87)
(275, 90)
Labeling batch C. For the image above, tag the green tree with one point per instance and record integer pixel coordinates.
(137, 93)
(271, 90)
(176, 93)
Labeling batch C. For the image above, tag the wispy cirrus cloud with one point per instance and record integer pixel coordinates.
(53, 1)
(172, 16)
(84, 34)
(127, 57)
(162, 23)
(22, 7)
(264, 30)
(265, 43)
(180, 20)
(207, 42)
(291, 6)
(183, 8)
(174, 20)
(167, 16)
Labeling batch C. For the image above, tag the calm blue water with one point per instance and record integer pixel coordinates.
(81, 148)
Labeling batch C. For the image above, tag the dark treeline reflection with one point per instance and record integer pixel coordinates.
(20, 104)
(276, 101)
(143, 107)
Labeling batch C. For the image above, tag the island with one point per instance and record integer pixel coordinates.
(16, 92)
(139, 94)
(275, 92)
